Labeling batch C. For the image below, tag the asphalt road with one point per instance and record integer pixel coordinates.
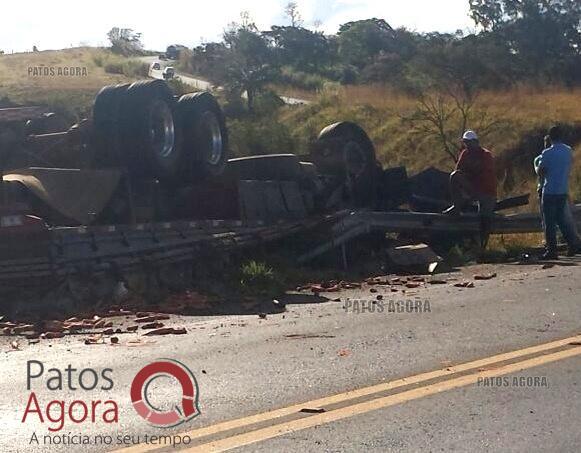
(200, 84)
(245, 365)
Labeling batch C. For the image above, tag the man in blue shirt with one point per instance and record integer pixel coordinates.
(554, 167)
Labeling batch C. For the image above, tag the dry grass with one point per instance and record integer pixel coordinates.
(518, 114)
(515, 242)
(65, 92)
(524, 102)
(16, 80)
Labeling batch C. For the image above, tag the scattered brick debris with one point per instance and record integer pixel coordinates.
(167, 331)
(464, 285)
(152, 325)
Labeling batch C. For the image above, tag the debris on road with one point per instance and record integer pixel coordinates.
(52, 335)
(464, 285)
(418, 257)
(412, 285)
(485, 276)
(97, 339)
(151, 318)
(297, 336)
(166, 331)
(153, 325)
(278, 304)
(313, 410)
(22, 329)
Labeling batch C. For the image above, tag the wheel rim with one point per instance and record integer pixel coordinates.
(212, 138)
(354, 159)
(162, 129)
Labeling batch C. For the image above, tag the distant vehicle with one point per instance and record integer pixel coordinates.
(173, 52)
(155, 66)
(162, 56)
(169, 72)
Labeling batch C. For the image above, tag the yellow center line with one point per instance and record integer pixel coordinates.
(358, 393)
(281, 429)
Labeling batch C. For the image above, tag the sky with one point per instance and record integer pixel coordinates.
(56, 24)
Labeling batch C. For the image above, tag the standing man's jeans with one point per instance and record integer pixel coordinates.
(554, 214)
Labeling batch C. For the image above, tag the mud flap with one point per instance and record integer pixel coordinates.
(79, 195)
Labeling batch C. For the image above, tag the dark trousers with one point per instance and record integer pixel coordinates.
(554, 215)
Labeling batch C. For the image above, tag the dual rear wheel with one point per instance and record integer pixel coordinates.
(143, 128)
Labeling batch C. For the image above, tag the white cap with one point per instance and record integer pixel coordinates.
(470, 135)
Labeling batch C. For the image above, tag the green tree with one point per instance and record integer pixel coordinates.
(542, 35)
(300, 48)
(361, 41)
(462, 63)
(125, 41)
(242, 63)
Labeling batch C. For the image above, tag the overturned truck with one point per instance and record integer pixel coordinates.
(145, 184)
(145, 188)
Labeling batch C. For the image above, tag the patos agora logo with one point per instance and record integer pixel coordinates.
(142, 392)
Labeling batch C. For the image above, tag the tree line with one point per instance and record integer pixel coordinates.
(518, 41)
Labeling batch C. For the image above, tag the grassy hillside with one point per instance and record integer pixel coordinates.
(518, 120)
(20, 84)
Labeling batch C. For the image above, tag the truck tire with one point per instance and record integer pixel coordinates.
(270, 167)
(344, 150)
(150, 132)
(107, 127)
(309, 169)
(204, 140)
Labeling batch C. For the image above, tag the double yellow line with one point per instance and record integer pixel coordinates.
(243, 431)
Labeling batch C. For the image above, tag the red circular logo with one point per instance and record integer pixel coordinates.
(176, 416)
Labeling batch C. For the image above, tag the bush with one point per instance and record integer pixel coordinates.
(253, 135)
(114, 67)
(302, 80)
(268, 103)
(128, 68)
(257, 276)
(99, 60)
(256, 273)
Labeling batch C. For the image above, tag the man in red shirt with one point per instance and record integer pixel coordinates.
(474, 179)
